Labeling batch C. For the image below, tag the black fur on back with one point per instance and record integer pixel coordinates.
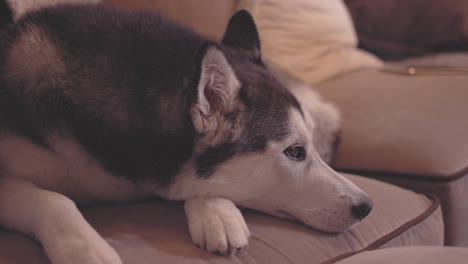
(124, 93)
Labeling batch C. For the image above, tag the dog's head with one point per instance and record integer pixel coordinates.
(255, 142)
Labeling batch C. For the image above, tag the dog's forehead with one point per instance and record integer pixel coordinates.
(269, 104)
(262, 89)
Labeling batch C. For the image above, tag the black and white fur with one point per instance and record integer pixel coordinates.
(99, 104)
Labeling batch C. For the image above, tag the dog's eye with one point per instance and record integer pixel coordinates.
(295, 152)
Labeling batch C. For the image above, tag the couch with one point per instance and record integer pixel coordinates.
(396, 128)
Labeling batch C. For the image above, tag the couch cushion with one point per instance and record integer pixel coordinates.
(314, 40)
(410, 255)
(156, 232)
(207, 17)
(401, 124)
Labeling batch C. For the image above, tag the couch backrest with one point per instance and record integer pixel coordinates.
(208, 17)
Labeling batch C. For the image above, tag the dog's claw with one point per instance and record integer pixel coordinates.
(217, 224)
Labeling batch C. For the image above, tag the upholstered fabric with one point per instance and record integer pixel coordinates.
(396, 29)
(314, 40)
(452, 195)
(452, 59)
(156, 232)
(401, 124)
(410, 255)
(207, 17)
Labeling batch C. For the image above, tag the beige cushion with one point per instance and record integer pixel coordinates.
(314, 40)
(411, 255)
(156, 232)
(401, 124)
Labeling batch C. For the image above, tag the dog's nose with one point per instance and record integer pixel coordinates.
(361, 210)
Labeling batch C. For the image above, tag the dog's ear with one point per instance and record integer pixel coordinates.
(217, 88)
(241, 33)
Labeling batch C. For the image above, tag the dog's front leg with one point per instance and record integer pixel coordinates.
(55, 221)
(216, 225)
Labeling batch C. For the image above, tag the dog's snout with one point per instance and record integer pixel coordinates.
(361, 210)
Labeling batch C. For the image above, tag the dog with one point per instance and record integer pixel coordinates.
(98, 104)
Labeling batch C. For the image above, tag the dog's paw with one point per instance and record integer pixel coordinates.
(216, 225)
(79, 251)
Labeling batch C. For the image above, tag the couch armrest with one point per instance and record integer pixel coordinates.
(427, 255)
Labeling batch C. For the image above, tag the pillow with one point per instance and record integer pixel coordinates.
(313, 39)
(396, 29)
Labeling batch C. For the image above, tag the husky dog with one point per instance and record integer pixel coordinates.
(100, 104)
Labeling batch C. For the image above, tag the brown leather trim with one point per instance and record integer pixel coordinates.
(395, 233)
(454, 176)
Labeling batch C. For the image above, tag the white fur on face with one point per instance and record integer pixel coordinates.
(308, 190)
